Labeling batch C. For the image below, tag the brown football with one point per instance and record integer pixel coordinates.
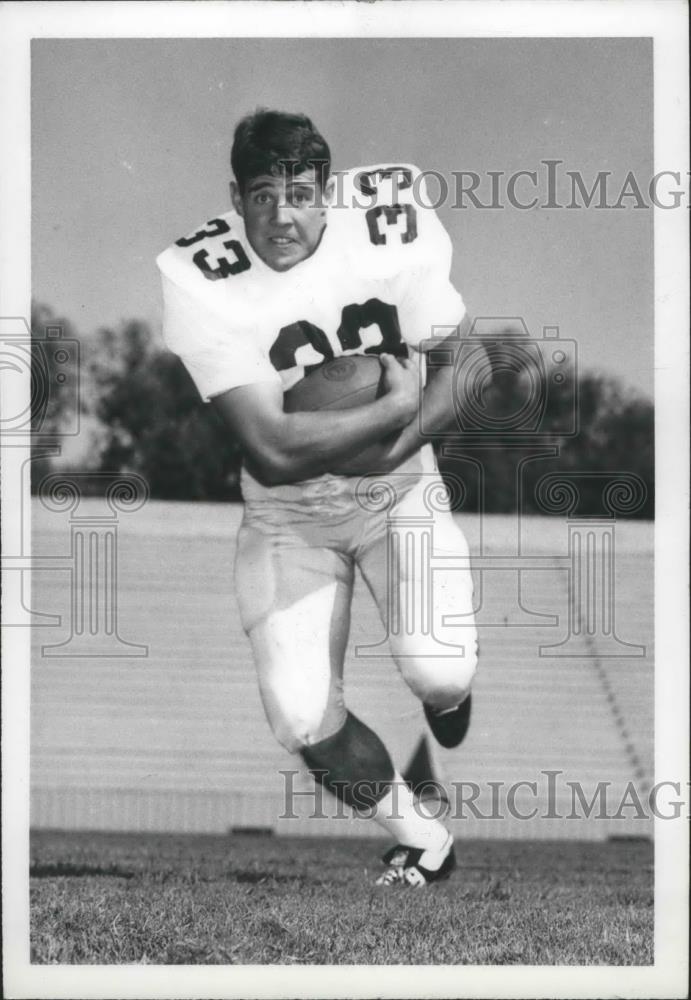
(341, 384)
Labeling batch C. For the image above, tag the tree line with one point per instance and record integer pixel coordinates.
(137, 410)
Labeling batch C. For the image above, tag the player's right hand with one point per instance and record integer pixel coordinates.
(402, 385)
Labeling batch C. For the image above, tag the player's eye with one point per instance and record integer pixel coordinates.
(300, 198)
(262, 198)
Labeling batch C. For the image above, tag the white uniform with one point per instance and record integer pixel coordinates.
(378, 281)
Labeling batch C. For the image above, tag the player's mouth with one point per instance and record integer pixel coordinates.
(281, 241)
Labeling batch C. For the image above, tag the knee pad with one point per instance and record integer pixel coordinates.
(353, 763)
(298, 733)
(441, 681)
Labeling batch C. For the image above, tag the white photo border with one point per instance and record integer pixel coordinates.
(666, 23)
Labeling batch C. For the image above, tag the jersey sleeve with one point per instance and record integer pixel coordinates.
(217, 354)
(428, 303)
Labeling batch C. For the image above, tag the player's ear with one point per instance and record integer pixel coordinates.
(236, 198)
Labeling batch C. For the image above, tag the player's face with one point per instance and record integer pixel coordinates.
(284, 216)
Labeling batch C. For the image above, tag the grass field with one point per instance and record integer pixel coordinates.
(242, 899)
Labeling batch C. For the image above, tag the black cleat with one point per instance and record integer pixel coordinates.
(395, 860)
(412, 867)
(449, 728)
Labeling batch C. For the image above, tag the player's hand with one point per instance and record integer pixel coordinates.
(402, 385)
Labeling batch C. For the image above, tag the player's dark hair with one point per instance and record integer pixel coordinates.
(277, 142)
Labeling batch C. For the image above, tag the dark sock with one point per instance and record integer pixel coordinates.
(353, 763)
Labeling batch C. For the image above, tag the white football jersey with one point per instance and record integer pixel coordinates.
(378, 280)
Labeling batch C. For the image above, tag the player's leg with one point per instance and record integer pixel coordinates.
(355, 765)
(294, 601)
(295, 607)
(437, 663)
(403, 560)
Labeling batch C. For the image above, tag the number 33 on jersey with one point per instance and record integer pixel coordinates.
(378, 281)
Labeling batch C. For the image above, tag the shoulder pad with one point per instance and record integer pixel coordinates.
(385, 212)
(215, 251)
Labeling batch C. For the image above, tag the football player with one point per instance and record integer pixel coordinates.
(304, 268)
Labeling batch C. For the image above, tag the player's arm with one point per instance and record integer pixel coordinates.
(288, 447)
(439, 399)
(246, 391)
(436, 413)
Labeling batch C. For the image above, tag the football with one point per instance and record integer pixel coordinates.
(342, 384)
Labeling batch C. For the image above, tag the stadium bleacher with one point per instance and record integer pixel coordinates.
(177, 740)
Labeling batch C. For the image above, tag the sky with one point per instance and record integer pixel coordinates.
(130, 150)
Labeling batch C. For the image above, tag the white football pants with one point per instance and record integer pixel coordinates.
(294, 581)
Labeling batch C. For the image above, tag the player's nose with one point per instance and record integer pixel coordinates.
(281, 215)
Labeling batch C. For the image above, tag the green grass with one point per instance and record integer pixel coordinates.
(168, 899)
